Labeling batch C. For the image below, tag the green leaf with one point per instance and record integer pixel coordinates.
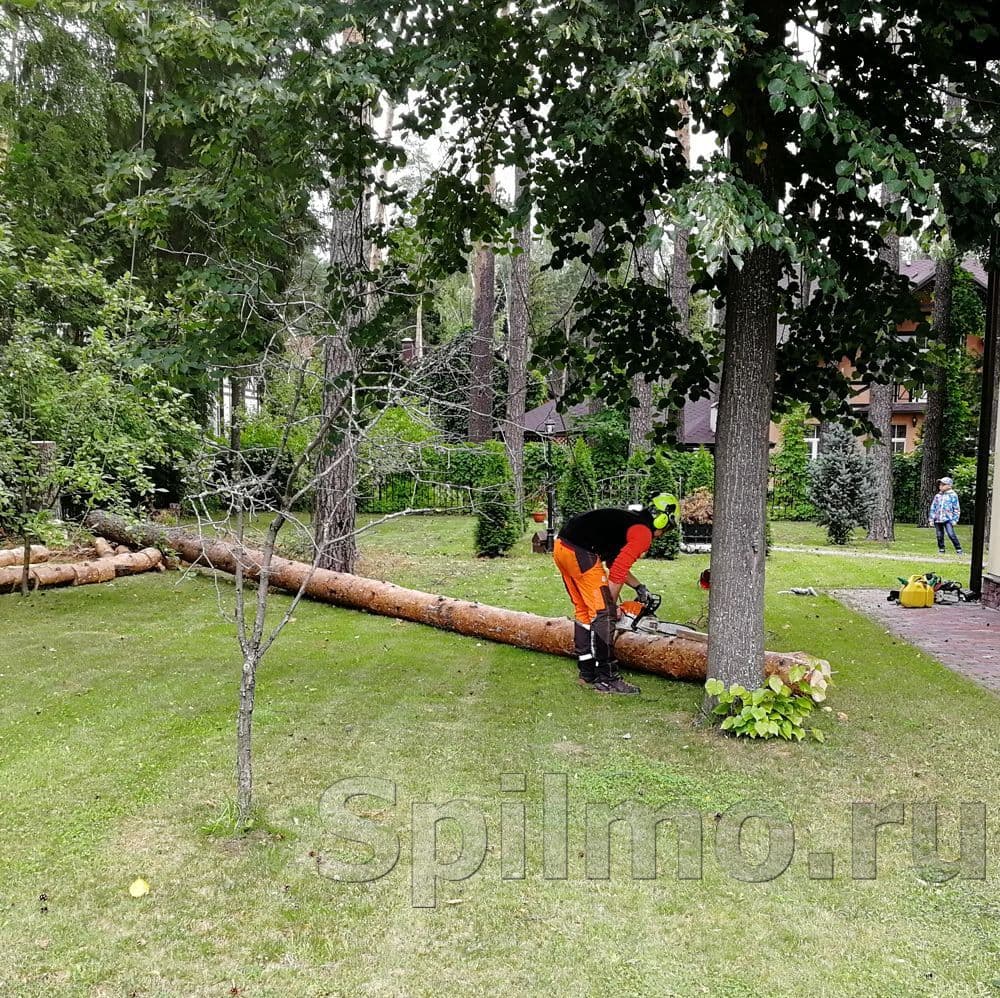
(714, 687)
(807, 119)
(817, 734)
(775, 683)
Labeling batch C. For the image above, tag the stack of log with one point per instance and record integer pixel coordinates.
(109, 562)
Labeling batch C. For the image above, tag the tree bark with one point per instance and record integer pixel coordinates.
(680, 283)
(244, 738)
(932, 463)
(483, 309)
(237, 403)
(517, 350)
(681, 657)
(736, 601)
(13, 556)
(336, 467)
(640, 417)
(881, 526)
(79, 573)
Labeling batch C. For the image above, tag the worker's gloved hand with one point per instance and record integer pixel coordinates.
(642, 593)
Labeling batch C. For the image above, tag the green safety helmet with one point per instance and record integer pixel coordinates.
(663, 506)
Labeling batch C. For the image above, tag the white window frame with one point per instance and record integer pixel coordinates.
(811, 434)
(898, 439)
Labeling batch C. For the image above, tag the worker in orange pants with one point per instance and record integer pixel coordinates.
(594, 553)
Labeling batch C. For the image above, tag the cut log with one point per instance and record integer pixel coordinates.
(102, 548)
(81, 573)
(677, 656)
(15, 556)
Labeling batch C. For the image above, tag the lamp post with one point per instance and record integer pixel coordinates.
(550, 489)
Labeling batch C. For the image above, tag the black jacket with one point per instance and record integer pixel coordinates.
(603, 531)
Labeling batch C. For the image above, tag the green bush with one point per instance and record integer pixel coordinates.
(578, 486)
(790, 468)
(607, 436)
(498, 526)
(776, 710)
(700, 471)
(841, 485)
(964, 475)
(906, 489)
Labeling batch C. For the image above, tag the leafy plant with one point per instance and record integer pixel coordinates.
(791, 468)
(578, 486)
(775, 710)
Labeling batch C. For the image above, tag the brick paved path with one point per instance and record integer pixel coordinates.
(964, 636)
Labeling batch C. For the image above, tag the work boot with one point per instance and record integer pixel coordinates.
(588, 671)
(609, 680)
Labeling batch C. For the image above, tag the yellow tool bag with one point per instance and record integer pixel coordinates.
(917, 592)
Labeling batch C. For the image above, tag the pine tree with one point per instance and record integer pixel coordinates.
(842, 489)
(498, 523)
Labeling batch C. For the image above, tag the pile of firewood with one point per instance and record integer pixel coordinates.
(49, 568)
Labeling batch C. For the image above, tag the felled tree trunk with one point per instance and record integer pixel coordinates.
(680, 657)
(81, 573)
(13, 556)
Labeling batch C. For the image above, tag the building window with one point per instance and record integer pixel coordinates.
(812, 440)
(898, 438)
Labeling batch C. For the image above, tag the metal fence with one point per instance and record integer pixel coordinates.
(395, 492)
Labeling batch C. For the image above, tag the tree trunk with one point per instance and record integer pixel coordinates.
(336, 467)
(25, 564)
(79, 573)
(680, 266)
(736, 600)
(932, 464)
(682, 656)
(15, 556)
(680, 282)
(517, 350)
(882, 397)
(237, 402)
(244, 735)
(640, 417)
(881, 525)
(483, 308)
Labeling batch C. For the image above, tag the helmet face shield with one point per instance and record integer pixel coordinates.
(663, 506)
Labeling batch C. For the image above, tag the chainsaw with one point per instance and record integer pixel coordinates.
(639, 617)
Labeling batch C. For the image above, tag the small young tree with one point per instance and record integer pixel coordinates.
(498, 523)
(841, 486)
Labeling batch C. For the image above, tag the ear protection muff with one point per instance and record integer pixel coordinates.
(664, 507)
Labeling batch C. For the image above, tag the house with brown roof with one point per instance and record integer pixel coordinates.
(909, 409)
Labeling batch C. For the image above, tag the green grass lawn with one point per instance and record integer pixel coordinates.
(910, 539)
(116, 763)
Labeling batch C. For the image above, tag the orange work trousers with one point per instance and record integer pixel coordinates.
(586, 579)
